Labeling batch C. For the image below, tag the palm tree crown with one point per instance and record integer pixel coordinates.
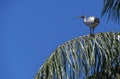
(84, 57)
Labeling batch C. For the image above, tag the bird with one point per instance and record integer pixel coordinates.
(91, 22)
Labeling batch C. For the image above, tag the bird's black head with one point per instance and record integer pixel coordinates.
(83, 16)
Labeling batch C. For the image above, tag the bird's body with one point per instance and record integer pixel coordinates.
(91, 22)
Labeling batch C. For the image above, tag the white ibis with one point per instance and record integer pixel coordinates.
(92, 22)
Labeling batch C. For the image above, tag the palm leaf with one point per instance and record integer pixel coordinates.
(112, 9)
(84, 57)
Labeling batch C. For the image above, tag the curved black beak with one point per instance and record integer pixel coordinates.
(81, 17)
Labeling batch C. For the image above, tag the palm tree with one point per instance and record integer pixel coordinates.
(84, 57)
(112, 9)
(87, 57)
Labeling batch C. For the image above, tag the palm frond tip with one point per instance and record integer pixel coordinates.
(112, 9)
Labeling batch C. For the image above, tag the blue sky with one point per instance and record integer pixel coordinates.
(30, 30)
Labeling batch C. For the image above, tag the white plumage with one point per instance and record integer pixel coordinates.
(91, 22)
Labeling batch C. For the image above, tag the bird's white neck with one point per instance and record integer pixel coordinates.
(84, 19)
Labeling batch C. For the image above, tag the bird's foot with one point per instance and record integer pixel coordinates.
(92, 35)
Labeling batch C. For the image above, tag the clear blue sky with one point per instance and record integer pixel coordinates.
(30, 30)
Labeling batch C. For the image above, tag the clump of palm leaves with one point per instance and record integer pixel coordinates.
(112, 9)
(85, 57)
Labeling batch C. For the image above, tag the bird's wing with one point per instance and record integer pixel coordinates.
(90, 21)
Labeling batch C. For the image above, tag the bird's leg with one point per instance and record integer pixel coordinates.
(93, 30)
(90, 31)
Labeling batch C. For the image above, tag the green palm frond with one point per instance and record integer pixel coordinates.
(84, 57)
(112, 8)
